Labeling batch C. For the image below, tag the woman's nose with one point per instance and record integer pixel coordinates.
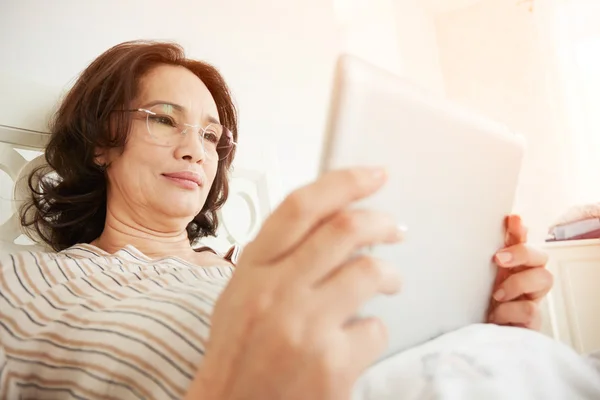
(191, 146)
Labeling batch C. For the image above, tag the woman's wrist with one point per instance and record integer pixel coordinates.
(204, 388)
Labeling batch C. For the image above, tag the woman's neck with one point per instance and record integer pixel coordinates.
(154, 242)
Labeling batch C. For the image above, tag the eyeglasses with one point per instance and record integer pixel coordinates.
(217, 141)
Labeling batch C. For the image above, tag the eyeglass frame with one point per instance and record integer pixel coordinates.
(183, 132)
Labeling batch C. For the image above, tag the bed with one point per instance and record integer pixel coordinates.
(481, 361)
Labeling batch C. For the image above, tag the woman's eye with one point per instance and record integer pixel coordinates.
(211, 136)
(163, 120)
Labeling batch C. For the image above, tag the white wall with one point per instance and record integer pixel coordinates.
(368, 29)
(492, 61)
(572, 44)
(441, 6)
(399, 35)
(277, 57)
(418, 44)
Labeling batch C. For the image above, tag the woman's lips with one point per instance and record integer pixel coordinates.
(186, 179)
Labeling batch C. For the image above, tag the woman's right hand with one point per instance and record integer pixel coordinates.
(285, 326)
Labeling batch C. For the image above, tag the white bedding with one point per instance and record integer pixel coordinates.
(484, 362)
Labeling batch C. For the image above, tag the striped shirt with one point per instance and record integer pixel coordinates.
(86, 324)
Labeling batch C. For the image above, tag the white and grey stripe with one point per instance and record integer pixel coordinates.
(85, 324)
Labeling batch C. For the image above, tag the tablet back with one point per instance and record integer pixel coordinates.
(452, 180)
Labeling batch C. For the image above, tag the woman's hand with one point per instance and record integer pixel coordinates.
(284, 327)
(522, 280)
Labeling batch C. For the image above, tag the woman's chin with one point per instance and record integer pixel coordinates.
(182, 208)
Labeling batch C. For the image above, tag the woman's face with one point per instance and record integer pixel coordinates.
(163, 180)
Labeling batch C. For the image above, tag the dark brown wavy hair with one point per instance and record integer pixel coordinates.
(70, 208)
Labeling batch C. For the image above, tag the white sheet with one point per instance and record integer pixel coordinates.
(483, 362)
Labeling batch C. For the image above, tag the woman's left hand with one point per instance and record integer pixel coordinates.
(522, 280)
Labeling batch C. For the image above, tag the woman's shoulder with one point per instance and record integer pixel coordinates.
(86, 268)
(86, 260)
(42, 258)
(80, 250)
(16, 257)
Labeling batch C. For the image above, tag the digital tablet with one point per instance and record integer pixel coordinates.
(452, 180)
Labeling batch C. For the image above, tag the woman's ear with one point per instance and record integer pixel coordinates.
(101, 158)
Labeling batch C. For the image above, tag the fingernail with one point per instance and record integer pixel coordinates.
(378, 173)
(392, 279)
(390, 272)
(399, 233)
(401, 230)
(504, 257)
(499, 295)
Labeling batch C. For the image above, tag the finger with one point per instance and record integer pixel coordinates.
(521, 255)
(534, 282)
(367, 339)
(337, 240)
(516, 232)
(518, 313)
(306, 207)
(348, 287)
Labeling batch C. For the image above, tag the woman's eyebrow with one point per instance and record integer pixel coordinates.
(179, 108)
(166, 103)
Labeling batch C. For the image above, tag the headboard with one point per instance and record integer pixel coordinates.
(22, 150)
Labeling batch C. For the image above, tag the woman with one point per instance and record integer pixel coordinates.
(142, 145)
